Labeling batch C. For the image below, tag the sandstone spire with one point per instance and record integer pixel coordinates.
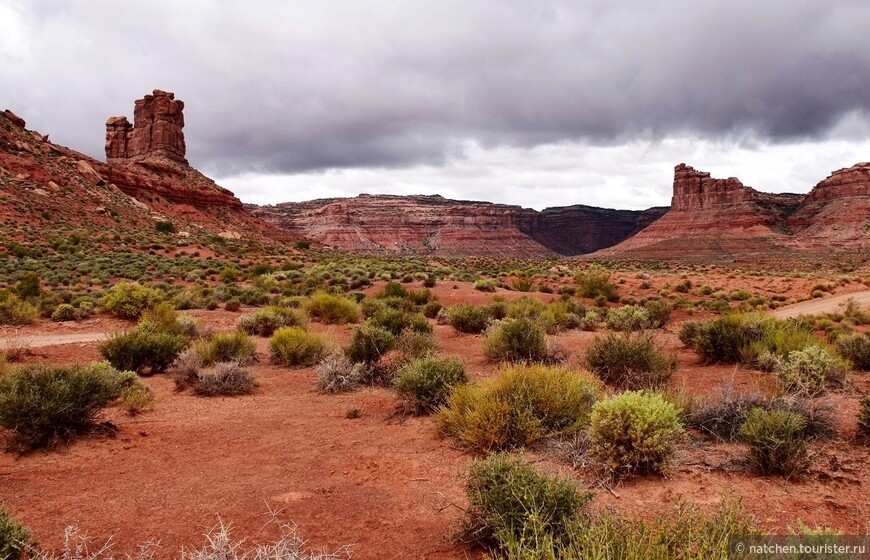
(158, 120)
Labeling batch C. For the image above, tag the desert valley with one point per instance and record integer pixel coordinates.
(382, 375)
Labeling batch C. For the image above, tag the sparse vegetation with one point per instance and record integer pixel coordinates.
(15, 540)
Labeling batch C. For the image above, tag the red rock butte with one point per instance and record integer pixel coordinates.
(158, 120)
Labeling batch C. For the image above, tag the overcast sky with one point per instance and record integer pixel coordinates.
(514, 101)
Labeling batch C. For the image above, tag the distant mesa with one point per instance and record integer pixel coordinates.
(434, 225)
(158, 120)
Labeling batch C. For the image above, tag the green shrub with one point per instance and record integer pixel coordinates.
(15, 538)
(484, 285)
(736, 338)
(466, 318)
(508, 500)
(332, 309)
(233, 304)
(28, 285)
(164, 227)
(524, 404)
(689, 332)
(594, 283)
(294, 346)
(369, 343)
(128, 300)
(522, 284)
(425, 383)
(516, 340)
(143, 348)
(777, 441)
(266, 321)
(14, 311)
(396, 321)
(855, 347)
(431, 309)
(41, 405)
(658, 313)
(232, 347)
(412, 345)
(227, 379)
(627, 318)
(634, 432)
(64, 312)
(136, 399)
(630, 362)
(393, 289)
(809, 371)
(723, 416)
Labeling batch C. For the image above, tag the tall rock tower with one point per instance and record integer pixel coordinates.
(158, 120)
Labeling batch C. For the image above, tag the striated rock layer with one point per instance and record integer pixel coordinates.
(721, 217)
(389, 224)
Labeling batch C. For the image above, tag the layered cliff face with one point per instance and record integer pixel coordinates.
(49, 187)
(721, 217)
(388, 224)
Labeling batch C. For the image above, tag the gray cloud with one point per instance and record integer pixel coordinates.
(287, 87)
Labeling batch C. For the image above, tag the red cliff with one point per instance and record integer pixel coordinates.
(720, 217)
(389, 224)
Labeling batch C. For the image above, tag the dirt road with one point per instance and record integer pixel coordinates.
(821, 305)
(53, 339)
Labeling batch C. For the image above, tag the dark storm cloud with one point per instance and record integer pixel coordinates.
(294, 86)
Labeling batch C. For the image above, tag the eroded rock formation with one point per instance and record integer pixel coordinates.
(146, 159)
(721, 217)
(54, 188)
(435, 225)
(158, 120)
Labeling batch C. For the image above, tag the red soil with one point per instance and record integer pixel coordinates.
(378, 482)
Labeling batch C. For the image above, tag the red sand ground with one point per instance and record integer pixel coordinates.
(377, 482)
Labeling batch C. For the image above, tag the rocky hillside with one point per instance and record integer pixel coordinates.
(722, 217)
(387, 224)
(49, 188)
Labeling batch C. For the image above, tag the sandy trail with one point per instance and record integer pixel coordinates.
(53, 339)
(822, 305)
